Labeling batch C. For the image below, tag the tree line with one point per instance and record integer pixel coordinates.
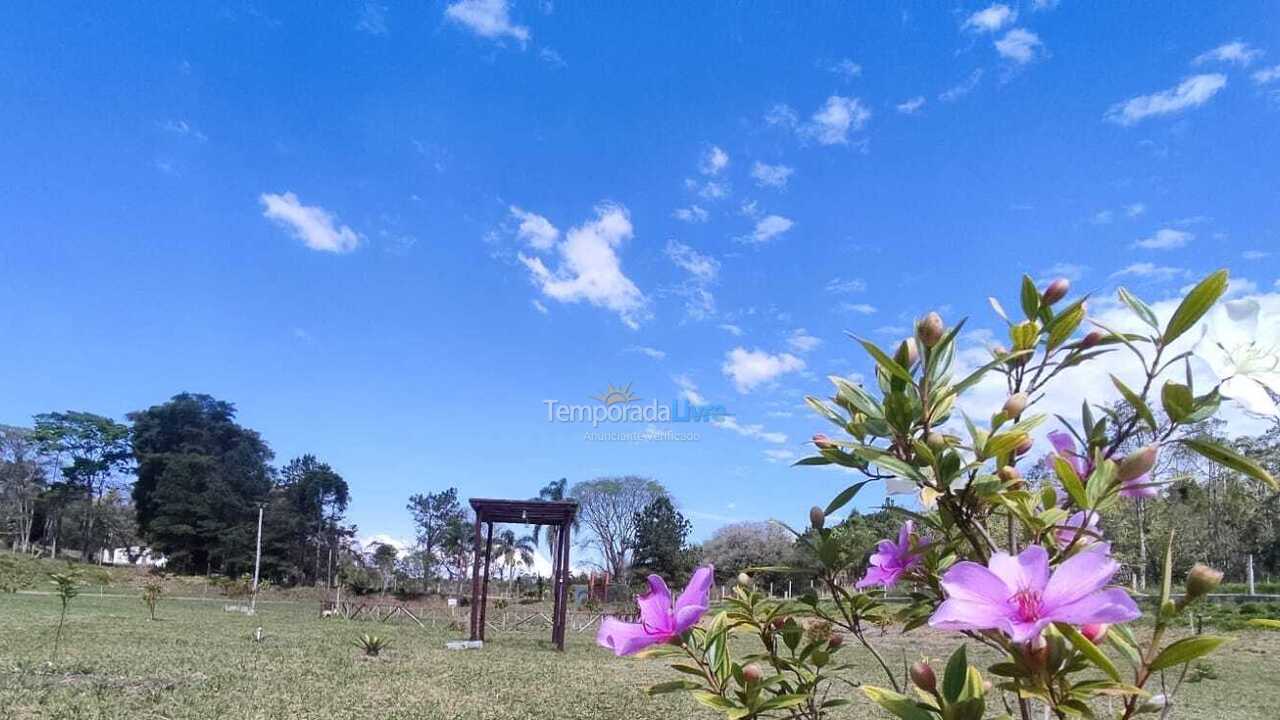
(183, 479)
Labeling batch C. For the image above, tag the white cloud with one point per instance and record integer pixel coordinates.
(775, 176)
(912, 106)
(1019, 45)
(401, 545)
(1254, 254)
(535, 230)
(1044, 4)
(590, 268)
(991, 18)
(699, 302)
(752, 431)
(1236, 52)
(859, 308)
(1103, 217)
(314, 226)
(851, 285)
(751, 368)
(551, 57)
(689, 390)
(782, 115)
(489, 19)
(1070, 271)
(1192, 92)
(373, 19)
(184, 129)
(691, 214)
(832, 123)
(537, 305)
(802, 342)
(710, 190)
(650, 352)
(1266, 76)
(767, 228)
(779, 455)
(1092, 379)
(1135, 209)
(846, 68)
(1165, 239)
(1149, 271)
(714, 161)
(732, 329)
(965, 87)
(702, 267)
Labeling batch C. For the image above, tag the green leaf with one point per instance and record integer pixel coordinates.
(1089, 650)
(713, 701)
(888, 462)
(1230, 458)
(1139, 308)
(1030, 298)
(1139, 405)
(954, 676)
(1070, 481)
(1166, 582)
(1195, 305)
(812, 460)
(897, 704)
(886, 363)
(1177, 401)
(1065, 323)
(784, 701)
(1267, 623)
(844, 497)
(1186, 650)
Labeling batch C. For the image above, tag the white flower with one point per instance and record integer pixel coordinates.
(1244, 353)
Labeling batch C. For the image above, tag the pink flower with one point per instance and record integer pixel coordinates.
(1084, 524)
(660, 622)
(1094, 631)
(1019, 597)
(1065, 445)
(892, 560)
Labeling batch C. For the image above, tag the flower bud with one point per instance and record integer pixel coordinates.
(930, 329)
(999, 351)
(1093, 338)
(836, 640)
(1094, 631)
(1056, 291)
(744, 579)
(1138, 463)
(1016, 403)
(1009, 474)
(922, 676)
(779, 622)
(907, 353)
(935, 441)
(822, 442)
(1024, 445)
(1201, 581)
(816, 517)
(752, 673)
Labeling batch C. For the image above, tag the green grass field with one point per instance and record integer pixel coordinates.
(200, 662)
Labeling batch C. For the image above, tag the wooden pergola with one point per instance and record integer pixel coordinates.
(557, 516)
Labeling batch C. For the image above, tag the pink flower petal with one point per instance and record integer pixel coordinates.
(956, 614)
(1112, 605)
(655, 606)
(626, 638)
(696, 592)
(972, 582)
(1025, 632)
(1080, 575)
(1028, 571)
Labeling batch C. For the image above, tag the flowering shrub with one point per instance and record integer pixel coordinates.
(1023, 571)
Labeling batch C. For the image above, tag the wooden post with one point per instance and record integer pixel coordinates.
(475, 583)
(555, 577)
(563, 582)
(484, 584)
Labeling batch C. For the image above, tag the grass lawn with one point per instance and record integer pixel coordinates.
(201, 662)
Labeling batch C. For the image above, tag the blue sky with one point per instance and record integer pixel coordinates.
(390, 232)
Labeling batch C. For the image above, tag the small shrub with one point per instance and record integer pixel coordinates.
(1202, 670)
(500, 604)
(152, 589)
(372, 645)
(16, 574)
(67, 587)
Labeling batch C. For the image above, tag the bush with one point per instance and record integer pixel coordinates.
(372, 645)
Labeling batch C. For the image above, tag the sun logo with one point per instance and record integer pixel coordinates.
(615, 395)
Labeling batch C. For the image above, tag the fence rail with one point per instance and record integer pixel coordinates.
(500, 620)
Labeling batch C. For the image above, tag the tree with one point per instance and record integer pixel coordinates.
(553, 491)
(93, 450)
(384, 557)
(608, 507)
(741, 546)
(433, 514)
(661, 532)
(458, 546)
(304, 519)
(200, 480)
(512, 548)
(22, 480)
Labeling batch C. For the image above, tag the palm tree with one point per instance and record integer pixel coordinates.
(551, 492)
(509, 547)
